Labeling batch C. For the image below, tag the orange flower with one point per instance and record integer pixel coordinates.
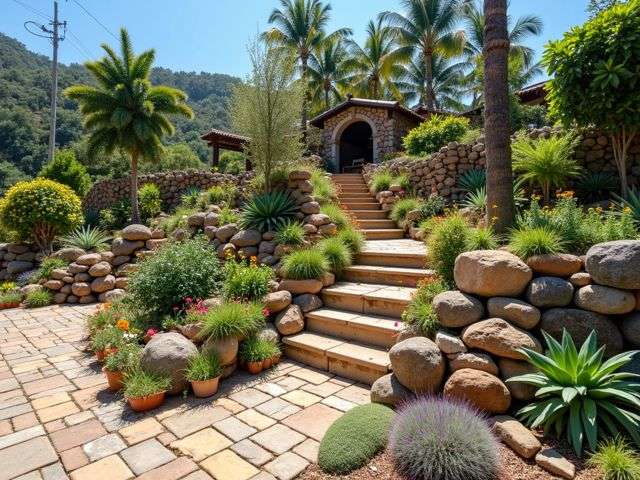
(123, 324)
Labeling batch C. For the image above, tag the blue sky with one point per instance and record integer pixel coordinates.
(211, 35)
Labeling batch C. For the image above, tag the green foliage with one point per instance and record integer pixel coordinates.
(352, 238)
(87, 238)
(337, 215)
(178, 156)
(631, 203)
(526, 117)
(471, 136)
(595, 186)
(203, 367)
(228, 215)
(8, 286)
(231, 319)
(473, 180)
(432, 206)
(244, 281)
(448, 239)
(617, 460)
(40, 210)
(47, 266)
(268, 211)
(381, 181)
(419, 313)
(482, 238)
(10, 297)
(354, 439)
(224, 193)
(149, 200)
(337, 254)
(177, 271)
(190, 197)
(232, 162)
(305, 264)
(324, 190)
(255, 349)
(527, 242)
(108, 337)
(435, 133)
(580, 394)
(138, 383)
(65, 169)
(178, 219)
(290, 234)
(476, 200)
(402, 207)
(117, 216)
(9, 175)
(124, 359)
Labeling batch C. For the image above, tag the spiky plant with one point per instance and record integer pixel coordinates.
(337, 253)
(632, 202)
(87, 238)
(473, 180)
(402, 207)
(594, 186)
(352, 238)
(527, 242)
(268, 211)
(290, 234)
(305, 264)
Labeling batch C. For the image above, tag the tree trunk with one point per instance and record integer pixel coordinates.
(500, 208)
(326, 98)
(305, 100)
(135, 213)
(620, 142)
(428, 75)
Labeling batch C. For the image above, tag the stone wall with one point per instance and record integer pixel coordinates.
(172, 184)
(16, 258)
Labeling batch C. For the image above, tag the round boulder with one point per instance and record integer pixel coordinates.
(456, 309)
(631, 329)
(389, 391)
(277, 301)
(615, 264)
(605, 300)
(268, 333)
(69, 254)
(418, 364)
(290, 320)
(246, 238)
(499, 337)
(555, 264)
(100, 269)
(121, 247)
(515, 311)
(548, 292)
(102, 284)
(481, 389)
(511, 368)
(88, 259)
(169, 354)
(80, 289)
(473, 360)
(491, 273)
(308, 302)
(136, 232)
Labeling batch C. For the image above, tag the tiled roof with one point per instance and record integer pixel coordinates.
(364, 102)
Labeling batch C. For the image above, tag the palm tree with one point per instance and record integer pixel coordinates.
(124, 111)
(428, 28)
(327, 73)
(500, 207)
(300, 25)
(378, 65)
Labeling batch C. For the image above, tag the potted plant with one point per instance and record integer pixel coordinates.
(119, 362)
(106, 341)
(10, 299)
(273, 350)
(144, 391)
(253, 352)
(204, 373)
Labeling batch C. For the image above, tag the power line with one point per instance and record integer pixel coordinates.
(79, 45)
(33, 10)
(95, 19)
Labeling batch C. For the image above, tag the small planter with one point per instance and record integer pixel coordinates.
(114, 379)
(275, 359)
(102, 354)
(9, 305)
(267, 363)
(254, 367)
(205, 388)
(149, 402)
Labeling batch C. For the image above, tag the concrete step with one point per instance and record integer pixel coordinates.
(400, 276)
(367, 298)
(354, 189)
(392, 259)
(366, 329)
(356, 195)
(360, 205)
(369, 214)
(348, 359)
(383, 233)
(376, 223)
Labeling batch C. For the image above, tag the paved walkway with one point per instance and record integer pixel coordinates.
(58, 420)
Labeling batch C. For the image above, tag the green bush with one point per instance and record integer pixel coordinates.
(255, 349)
(40, 210)
(149, 201)
(227, 215)
(352, 238)
(402, 207)
(108, 337)
(138, 383)
(203, 367)
(473, 180)
(290, 234)
(482, 238)
(617, 460)
(337, 215)
(305, 264)
(471, 136)
(244, 281)
(324, 190)
(337, 253)
(232, 162)
(381, 181)
(419, 313)
(448, 239)
(87, 238)
(124, 359)
(47, 266)
(268, 211)
(527, 242)
(190, 197)
(224, 193)
(435, 133)
(403, 181)
(177, 271)
(231, 319)
(116, 216)
(65, 169)
(178, 219)
(355, 438)
(432, 206)
(596, 186)
(10, 297)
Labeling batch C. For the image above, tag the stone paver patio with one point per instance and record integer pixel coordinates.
(58, 420)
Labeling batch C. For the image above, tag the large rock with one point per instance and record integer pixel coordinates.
(518, 437)
(418, 364)
(631, 329)
(605, 300)
(308, 302)
(136, 232)
(389, 391)
(277, 301)
(18, 266)
(88, 259)
(481, 389)
(81, 289)
(103, 284)
(615, 264)
(491, 273)
(69, 254)
(246, 238)
(226, 349)
(100, 269)
(268, 333)
(515, 311)
(552, 461)
(169, 354)
(473, 360)
(121, 247)
(449, 343)
(225, 232)
(580, 323)
(548, 292)
(556, 264)
(456, 309)
(511, 368)
(298, 287)
(499, 337)
(290, 320)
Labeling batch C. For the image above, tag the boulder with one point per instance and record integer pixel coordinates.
(100, 269)
(518, 437)
(269, 333)
(605, 300)
(309, 208)
(246, 238)
(59, 298)
(82, 277)
(511, 368)
(473, 360)
(59, 273)
(308, 302)
(551, 461)
(615, 264)
(196, 220)
(290, 320)
(317, 219)
(169, 354)
(456, 309)
(88, 259)
(491, 273)
(87, 299)
(418, 364)
(111, 295)
(555, 264)
(155, 243)
(102, 284)
(226, 349)
(136, 232)
(548, 292)
(389, 391)
(53, 284)
(481, 389)
(634, 365)
(32, 287)
(225, 232)
(298, 287)
(17, 248)
(18, 266)
(631, 329)
(69, 254)
(120, 260)
(75, 268)
(448, 343)
(580, 279)
(328, 230)
(515, 311)
(121, 247)
(499, 337)
(211, 219)
(328, 279)
(580, 323)
(81, 289)
(277, 301)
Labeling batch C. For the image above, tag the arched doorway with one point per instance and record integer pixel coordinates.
(355, 147)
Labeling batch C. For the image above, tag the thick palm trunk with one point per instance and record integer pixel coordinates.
(135, 213)
(305, 100)
(428, 74)
(500, 207)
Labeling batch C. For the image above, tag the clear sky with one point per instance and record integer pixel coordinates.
(211, 35)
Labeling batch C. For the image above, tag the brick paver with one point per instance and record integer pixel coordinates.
(58, 420)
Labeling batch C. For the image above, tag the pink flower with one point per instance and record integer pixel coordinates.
(151, 332)
(266, 312)
(188, 300)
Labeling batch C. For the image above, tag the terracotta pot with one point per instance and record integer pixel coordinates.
(9, 305)
(205, 388)
(254, 367)
(275, 359)
(142, 404)
(114, 379)
(102, 354)
(266, 363)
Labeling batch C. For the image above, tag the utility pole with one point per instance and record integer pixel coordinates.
(52, 34)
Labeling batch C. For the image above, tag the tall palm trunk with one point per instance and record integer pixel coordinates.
(135, 213)
(500, 208)
(428, 74)
(304, 58)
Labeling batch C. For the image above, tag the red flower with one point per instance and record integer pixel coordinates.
(151, 332)
(188, 300)
(266, 312)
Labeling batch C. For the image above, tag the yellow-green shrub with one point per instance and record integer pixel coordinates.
(435, 133)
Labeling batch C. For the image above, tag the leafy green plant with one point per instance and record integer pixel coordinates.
(580, 394)
(476, 200)
(138, 383)
(88, 238)
(108, 337)
(10, 297)
(381, 181)
(291, 233)
(305, 264)
(482, 238)
(352, 238)
(402, 207)
(203, 367)
(268, 211)
(227, 215)
(244, 281)
(337, 254)
(527, 242)
(403, 181)
(324, 190)
(47, 266)
(7, 286)
(149, 200)
(419, 313)
(595, 186)
(449, 238)
(432, 206)
(473, 180)
(190, 197)
(435, 133)
(116, 216)
(124, 359)
(65, 169)
(231, 319)
(471, 136)
(255, 349)
(631, 202)
(178, 219)
(337, 215)
(617, 460)
(224, 193)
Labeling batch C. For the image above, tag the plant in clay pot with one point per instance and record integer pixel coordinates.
(204, 374)
(253, 352)
(10, 299)
(273, 350)
(144, 391)
(106, 341)
(116, 364)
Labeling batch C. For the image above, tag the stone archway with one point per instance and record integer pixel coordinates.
(354, 138)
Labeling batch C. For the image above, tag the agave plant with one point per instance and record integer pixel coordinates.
(476, 199)
(580, 394)
(190, 197)
(473, 180)
(268, 211)
(632, 202)
(87, 238)
(594, 186)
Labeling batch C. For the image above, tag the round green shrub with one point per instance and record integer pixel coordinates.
(402, 207)
(290, 234)
(527, 242)
(435, 133)
(305, 264)
(149, 200)
(381, 181)
(65, 169)
(352, 238)
(449, 238)
(355, 438)
(38, 298)
(337, 215)
(40, 210)
(337, 253)
(244, 281)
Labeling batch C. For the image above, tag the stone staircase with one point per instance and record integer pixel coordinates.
(351, 335)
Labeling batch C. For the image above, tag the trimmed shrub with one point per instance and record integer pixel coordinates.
(87, 238)
(246, 282)
(352, 238)
(65, 169)
(230, 319)
(448, 239)
(419, 313)
(336, 214)
(305, 264)
(435, 133)
(381, 181)
(268, 211)
(40, 210)
(438, 438)
(617, 460)
(355, 438)
(38, 298)
(527, 242)
(290, 234)
(402, 207)
(149, 200)
(337, 253)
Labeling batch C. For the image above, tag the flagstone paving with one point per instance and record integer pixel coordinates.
(58, 420)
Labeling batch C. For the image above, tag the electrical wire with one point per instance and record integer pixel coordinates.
(33, 10)
(78, 45)
(94, 18)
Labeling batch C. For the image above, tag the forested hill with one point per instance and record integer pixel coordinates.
(25, 79)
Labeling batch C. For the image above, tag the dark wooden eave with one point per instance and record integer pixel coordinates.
(221, 140)
(365, 102)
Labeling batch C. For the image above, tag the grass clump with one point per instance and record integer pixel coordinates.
(352, 238)
(290, 234)
(482, 238)
(419, 313)
(47, 267)
(337, 215)
(230, 320)
(381, 181)
(244, 281)
(617, 460)
(355, 438)
(203, 367)
(449, 238)
(11, 297)
(138, 383)
(305, 264)
(227, 215)
(256, 349)
(527, 242)
(324, 191)
(402, 207)
(337, 253)
(38, 298)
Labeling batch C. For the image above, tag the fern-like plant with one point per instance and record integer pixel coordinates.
(87, 238)
(268, 211)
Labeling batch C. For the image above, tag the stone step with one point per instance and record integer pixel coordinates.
(351, 183)
(400, 276)
(376, 299)
(376, 223)
(357, 195)
(357, 362)
(391, 259)
(354, 189)
(369, 214)
(366, 329)
(360, 205)
(383, 233)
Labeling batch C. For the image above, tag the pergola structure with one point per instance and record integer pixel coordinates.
(219, 139)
